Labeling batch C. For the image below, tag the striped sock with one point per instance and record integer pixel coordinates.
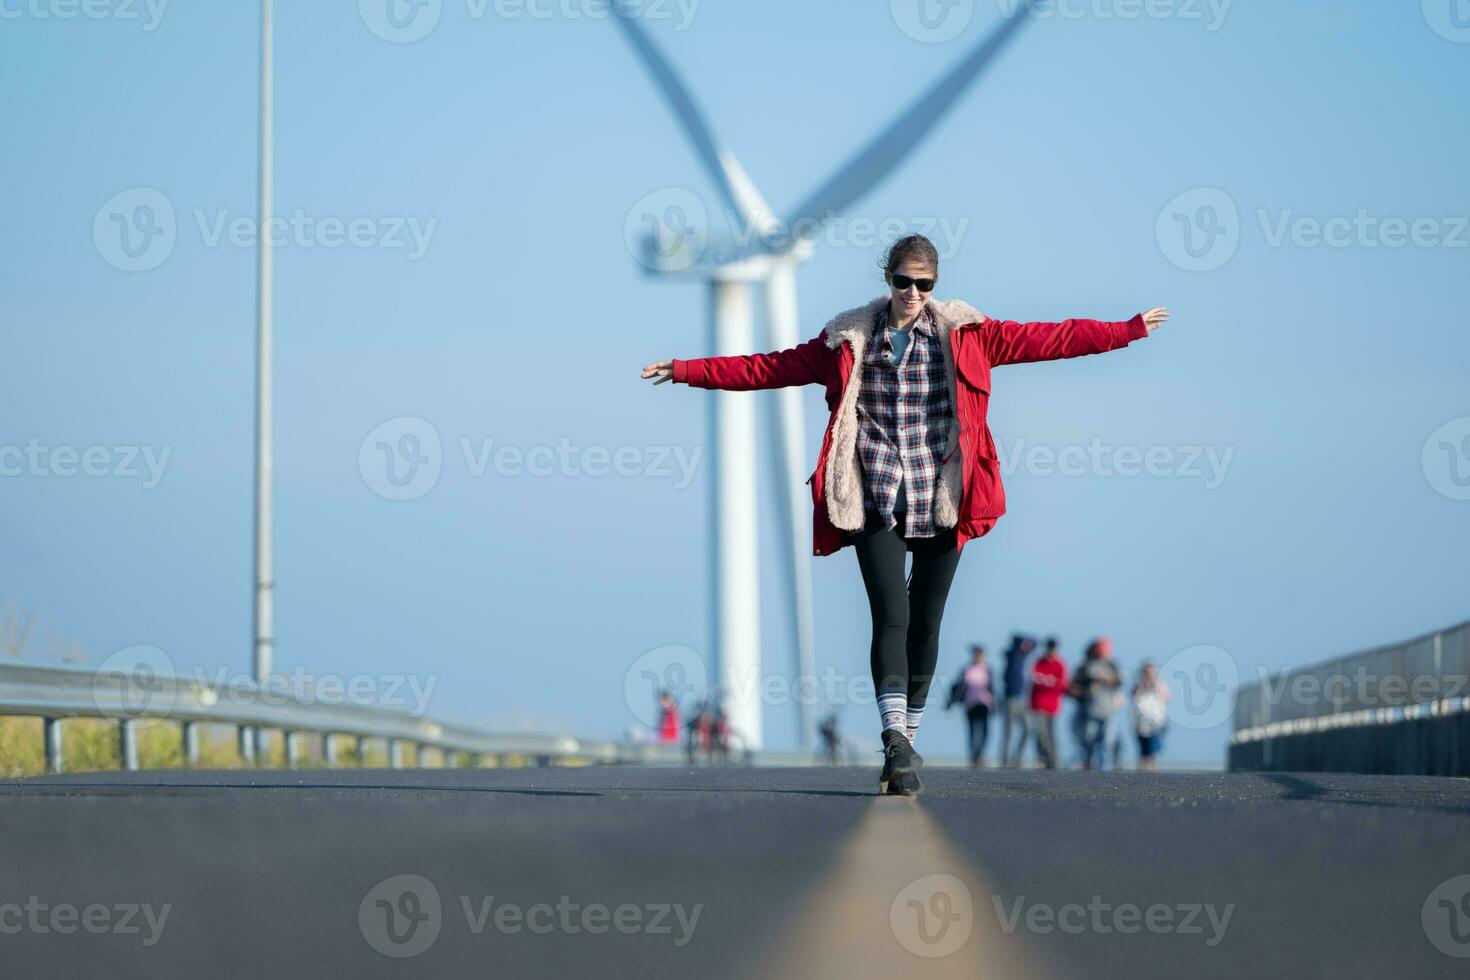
(912, 717)
(894, 710)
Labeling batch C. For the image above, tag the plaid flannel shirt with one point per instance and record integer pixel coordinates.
(903, 423)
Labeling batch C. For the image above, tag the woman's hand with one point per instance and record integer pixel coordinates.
(1155, 318)
(661, 370)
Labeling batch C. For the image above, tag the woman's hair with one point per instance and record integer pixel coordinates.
(911, 248)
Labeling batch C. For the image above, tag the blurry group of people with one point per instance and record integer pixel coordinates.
(706, 733)
(1029, 698)
(1031, 693)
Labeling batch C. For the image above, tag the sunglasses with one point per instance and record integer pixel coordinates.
(904, 282)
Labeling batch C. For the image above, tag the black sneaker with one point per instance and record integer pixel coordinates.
(900, 762)
(905, 784)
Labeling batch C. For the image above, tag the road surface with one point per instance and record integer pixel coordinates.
(663, 872)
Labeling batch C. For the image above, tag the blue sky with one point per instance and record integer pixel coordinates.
(518, 147)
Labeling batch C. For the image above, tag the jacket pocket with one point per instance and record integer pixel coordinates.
(986, 494)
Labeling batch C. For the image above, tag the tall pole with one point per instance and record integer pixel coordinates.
(734, 578)
(264, 636)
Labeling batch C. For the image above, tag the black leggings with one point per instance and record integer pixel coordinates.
(905, 617)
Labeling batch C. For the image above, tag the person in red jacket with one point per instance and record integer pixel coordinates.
(668, 718)
(907, 462)
(1048, 681)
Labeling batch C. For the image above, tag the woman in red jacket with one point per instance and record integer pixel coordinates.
(907, 463)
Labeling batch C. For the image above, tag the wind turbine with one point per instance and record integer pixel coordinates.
(770, 256)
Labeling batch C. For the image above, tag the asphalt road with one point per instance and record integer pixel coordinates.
(616, 872)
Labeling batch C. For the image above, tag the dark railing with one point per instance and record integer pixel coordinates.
(1403, 708)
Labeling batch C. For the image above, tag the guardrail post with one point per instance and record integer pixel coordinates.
(51, 728)
(189, 732)
(127, 735)
(293, 748)
(416, 753)
(451, 759)
(246, 739)
(395, 753)
(329, 750)
(262, 746)
(362, 746)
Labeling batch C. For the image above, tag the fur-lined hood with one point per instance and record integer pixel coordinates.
(844, 476)
(856, 325)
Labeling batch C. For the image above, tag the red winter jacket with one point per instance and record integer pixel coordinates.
(969, 495)
(1048, 681)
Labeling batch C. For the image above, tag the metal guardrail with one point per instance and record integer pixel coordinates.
(135, 697)
(1426, 677)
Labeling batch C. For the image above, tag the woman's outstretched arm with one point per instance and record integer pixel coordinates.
(803, 365)
(1009, 342)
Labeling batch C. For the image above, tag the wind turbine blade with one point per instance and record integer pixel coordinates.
(731, 179)
(889, 148)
